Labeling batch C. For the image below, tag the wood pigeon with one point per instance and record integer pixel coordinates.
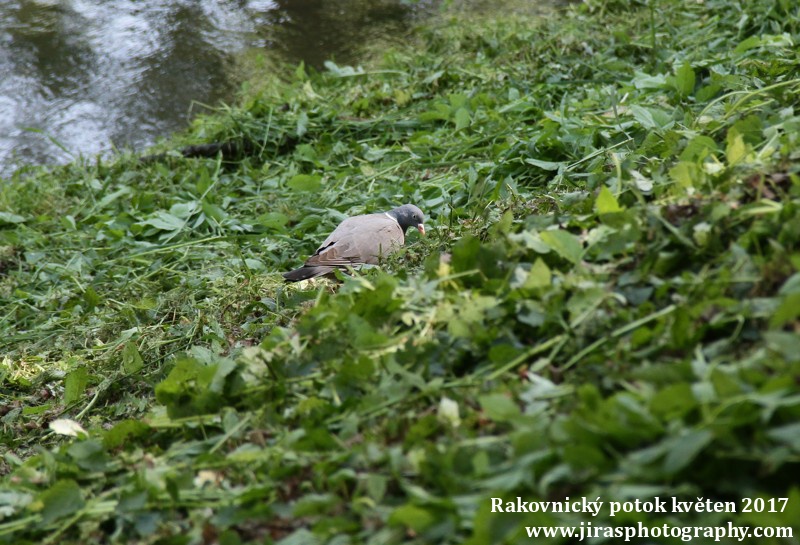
(361, 240)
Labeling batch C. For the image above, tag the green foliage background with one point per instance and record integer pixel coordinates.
(607, 305)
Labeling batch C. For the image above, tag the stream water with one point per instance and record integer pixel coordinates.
(80, 77)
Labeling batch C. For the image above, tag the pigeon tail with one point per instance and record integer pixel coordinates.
(305, 272)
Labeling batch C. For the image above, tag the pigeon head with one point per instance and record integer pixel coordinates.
(407, 216)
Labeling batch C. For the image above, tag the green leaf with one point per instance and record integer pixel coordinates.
(642, 80)
(673, 402)
(131, 359)
(532, 313)
(458, 100)
(362, 334)
(499, 407)
(606, 203)
(411, 516)
(305, 182)
(788, 435)
(75, 384)
(273, 220)
(302, 121)
(564, 244)
(306, 152)
(684, 80)
(113, 196)
(62, 499)
(687, 174)
(462, 118)
(88, 454)
(164, 221)
(91, 298)
(440, 112)
(401, 97)
(376, 486)
(685, 448)
(184, 209)
(124, 431)
(544, 165)
(196, 387)
(736, 150)
(651, 118)
(12, 502)
(313, 505)
(792, 285)
(787, 311)
(301, 536)
(745, 45)
(10, 218)
(751, 128)
(699, 148)
(213, 211)
(465, 254)
(539, 275)
(784, 343)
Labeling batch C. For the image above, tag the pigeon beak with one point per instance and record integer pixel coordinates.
(421, 228)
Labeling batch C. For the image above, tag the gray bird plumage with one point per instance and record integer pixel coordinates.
(361, 240)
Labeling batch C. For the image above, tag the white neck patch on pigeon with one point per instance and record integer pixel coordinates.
(392, 217)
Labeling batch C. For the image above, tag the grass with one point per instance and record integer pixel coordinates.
(606, 304)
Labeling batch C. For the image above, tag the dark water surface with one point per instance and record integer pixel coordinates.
(80, 77)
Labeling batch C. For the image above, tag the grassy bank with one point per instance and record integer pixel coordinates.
(606, 305)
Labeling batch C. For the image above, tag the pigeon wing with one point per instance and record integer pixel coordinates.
(359, 240)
